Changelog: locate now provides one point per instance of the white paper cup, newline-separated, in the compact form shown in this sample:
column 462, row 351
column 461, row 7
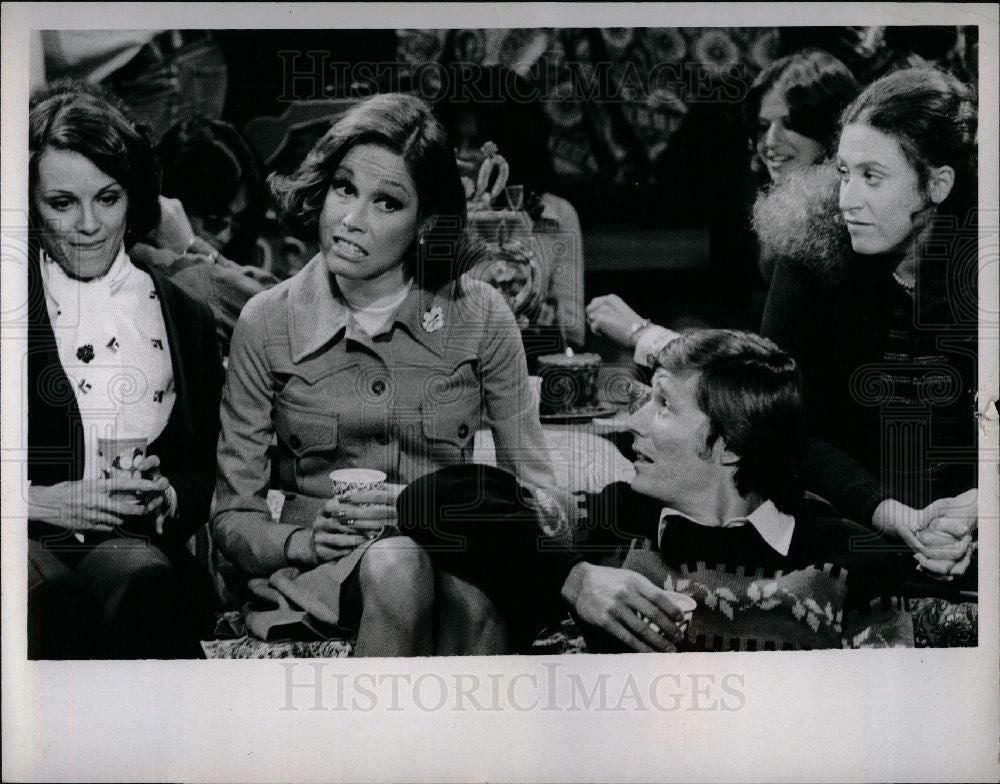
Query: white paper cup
column 347, row 479
column 686, row 605
column 119, row 459
column 120, row 456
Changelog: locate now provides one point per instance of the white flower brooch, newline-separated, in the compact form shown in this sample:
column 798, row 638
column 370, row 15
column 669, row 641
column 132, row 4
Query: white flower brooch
column 433, row 319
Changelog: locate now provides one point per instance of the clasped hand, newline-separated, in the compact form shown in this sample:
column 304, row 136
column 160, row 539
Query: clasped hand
column 102, row 504
column 351, row 519
column 940, row 534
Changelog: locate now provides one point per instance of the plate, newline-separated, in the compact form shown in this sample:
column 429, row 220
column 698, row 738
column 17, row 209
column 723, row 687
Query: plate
column 583, row 415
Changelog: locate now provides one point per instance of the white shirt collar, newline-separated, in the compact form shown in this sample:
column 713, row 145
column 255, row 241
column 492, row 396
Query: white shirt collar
column 775, row 527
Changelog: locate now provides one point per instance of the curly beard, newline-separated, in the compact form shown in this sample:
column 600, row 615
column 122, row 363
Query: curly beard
column 800, row 220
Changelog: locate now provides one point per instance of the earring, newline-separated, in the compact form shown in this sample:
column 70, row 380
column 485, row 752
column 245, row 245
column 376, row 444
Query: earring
column 421, row 240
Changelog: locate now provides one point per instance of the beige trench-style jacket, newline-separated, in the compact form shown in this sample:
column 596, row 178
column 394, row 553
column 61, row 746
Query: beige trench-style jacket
column 407, row 401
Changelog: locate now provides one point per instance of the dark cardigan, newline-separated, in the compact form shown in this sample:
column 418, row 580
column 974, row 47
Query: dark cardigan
column 186, row 447
column 840, row 333
column 889, row 380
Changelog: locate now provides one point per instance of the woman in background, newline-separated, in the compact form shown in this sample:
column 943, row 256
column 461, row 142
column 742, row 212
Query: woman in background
column 211, row 211
column 792, row 108
column 374, row 356
column 115, row 351
column 209, row 167
column 511, row 115
column 875, row 294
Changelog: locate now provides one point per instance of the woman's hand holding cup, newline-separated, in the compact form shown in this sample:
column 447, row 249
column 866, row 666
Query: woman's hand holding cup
column 90, row 504
column 155, row 499
column 344, row 523
column 362, row 506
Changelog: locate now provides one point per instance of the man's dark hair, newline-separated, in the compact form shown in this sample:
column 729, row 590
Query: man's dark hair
column 751, row 392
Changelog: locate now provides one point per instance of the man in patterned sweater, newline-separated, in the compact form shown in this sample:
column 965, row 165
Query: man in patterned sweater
column 716, row 488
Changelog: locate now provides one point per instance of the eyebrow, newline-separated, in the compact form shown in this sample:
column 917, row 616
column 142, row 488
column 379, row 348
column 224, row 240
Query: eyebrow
column 382, row 182
column 63, row 192
column 865, row 164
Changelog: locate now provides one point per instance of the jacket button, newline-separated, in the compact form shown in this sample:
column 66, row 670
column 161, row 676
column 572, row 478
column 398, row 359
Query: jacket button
column 463, row 430
column 294, row 441
column 378, row 386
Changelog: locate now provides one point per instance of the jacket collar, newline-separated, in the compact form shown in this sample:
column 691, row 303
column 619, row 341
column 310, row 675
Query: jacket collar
column 775, row 527
column 318, row 315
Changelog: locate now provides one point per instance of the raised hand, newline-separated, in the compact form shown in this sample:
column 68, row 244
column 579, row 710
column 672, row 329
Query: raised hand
column 174, row 230
column 610, row 315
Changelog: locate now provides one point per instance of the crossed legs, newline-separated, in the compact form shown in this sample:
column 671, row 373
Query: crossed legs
column 410, row 609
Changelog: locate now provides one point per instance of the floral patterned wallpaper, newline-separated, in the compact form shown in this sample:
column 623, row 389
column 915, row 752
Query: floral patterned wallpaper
column 617, row 97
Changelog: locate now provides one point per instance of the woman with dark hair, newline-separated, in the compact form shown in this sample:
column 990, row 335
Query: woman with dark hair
column 211, row 210
column 492, row 103
column 875, row 294
column 793, row 106
column 374, row 356
column 484, row 103
column 115, row 352
column 209, row 167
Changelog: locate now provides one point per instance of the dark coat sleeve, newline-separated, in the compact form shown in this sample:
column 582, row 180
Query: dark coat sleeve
column 187, row 445
column 799, row 317
column 223, row 285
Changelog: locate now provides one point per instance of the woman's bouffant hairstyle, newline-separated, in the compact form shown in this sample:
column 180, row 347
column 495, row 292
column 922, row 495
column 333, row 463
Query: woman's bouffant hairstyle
column 751, row 392
column 816, row 87
column 407, row 126
column 83, row 118
column 933, row 117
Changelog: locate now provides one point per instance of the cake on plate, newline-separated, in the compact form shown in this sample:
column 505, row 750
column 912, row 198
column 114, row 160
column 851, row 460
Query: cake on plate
column 569, row 383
